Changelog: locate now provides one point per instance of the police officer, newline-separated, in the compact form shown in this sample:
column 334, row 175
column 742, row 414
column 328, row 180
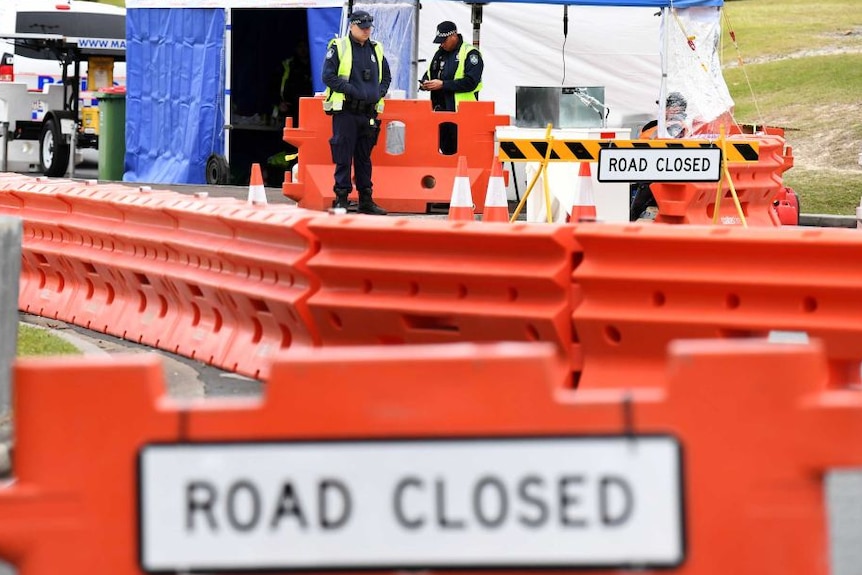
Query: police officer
column 455, row 75
column 357, row 77
column 294, row 81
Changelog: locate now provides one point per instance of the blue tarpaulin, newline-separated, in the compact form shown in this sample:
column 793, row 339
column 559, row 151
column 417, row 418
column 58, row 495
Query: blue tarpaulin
column 174, row 114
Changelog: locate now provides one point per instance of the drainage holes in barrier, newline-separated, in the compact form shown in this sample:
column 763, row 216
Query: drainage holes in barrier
column 91, row 289
column 412, row 288
column 809, row 304
column 613, row 334
column 142, row 279
column 335, row 320
column 462, row 291
column 109, row 294
column 163, row 306
column 196, row 315
column 532, row 333
column 512, row 294
column 195, row 290
column 90, row 268
column 43, row 279
column 429, row 182
column 259, row 305
column 732, row 301
column 658, row 299
column 366, row 286
column 41, row 258
column 286, row 338
column 430, row 323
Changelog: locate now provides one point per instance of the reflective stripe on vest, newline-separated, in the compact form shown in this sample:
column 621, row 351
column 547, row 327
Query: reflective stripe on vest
column 334, row 101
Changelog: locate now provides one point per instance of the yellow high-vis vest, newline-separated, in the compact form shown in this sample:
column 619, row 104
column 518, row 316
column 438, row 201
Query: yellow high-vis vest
column 334, row 101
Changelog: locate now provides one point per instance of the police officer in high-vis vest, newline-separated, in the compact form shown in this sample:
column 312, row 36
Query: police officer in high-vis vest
column 357, row 77
column 455, row 75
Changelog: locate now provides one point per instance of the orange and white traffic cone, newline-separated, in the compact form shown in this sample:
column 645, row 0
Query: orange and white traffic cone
column 256, row 191
column 584, row 204
column 496, row 203
column 461, row 204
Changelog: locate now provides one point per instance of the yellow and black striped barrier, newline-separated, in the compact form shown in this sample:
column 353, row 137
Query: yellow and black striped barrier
column 523, row 150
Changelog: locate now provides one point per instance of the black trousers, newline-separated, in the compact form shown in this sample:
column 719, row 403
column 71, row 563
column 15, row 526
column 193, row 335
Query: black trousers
column 353, row 137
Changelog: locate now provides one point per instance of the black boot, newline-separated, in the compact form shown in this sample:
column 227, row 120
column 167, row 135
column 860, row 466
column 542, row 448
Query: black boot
column 367, row 205
column 340, row 199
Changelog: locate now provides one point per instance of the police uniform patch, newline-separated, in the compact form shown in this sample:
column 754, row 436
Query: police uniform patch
column 373, row 59
column 329, row 53
column 474, row 59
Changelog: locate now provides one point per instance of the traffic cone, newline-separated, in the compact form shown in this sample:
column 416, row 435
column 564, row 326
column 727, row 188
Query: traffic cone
column 584, row 204
column 461, row 204
column 496, row 203
column 256, row 191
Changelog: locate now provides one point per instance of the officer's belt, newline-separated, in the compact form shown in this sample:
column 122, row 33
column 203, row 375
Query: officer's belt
column 358, row 107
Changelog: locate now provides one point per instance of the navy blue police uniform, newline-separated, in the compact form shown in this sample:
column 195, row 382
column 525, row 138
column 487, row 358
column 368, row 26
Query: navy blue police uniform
column 443, row 67
column 355, row 127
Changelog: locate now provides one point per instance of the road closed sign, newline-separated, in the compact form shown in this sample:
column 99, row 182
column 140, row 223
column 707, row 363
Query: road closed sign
column 659, row 165
column 538, row 502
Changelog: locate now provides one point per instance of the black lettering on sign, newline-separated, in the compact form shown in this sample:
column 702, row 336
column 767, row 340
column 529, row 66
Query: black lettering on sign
column 398, row 503
column 243, row 493
column 288, row 506
column 440, row 500
column 200, row 499
column 616, row 501
column 531, row 502
column 567, row 485
column 333, row 493
column 529, row 496
column 495, row 490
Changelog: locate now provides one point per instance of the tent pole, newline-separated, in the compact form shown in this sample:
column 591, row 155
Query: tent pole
column 662, row 94
column 226, row 51
column 476, row 19
column 414, row 56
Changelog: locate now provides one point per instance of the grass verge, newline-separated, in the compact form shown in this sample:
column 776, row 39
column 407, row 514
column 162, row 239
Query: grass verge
column 33, row 341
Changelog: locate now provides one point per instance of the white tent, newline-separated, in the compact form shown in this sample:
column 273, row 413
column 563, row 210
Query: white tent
column 617, row 45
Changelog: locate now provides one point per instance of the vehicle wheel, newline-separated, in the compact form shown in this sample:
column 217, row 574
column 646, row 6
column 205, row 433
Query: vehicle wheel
column 53, row 149
column 218, row 171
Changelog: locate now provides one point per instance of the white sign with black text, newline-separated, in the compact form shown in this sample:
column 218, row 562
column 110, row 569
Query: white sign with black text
column 659, row 165
column 583, row 501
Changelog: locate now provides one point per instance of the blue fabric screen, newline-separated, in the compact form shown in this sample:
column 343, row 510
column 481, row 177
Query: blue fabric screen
column 174, row 93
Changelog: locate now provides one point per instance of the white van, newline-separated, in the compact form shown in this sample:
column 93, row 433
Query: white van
column 53, row 55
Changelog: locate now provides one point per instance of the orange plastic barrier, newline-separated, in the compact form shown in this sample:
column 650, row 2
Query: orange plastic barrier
column 212, row 279
column 415, row 181
column 151, row 485
column 387, row 281
column 756, row 185
column 645, row 286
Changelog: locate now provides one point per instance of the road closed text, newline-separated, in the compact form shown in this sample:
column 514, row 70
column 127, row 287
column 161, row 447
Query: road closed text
column 411, row 504
column 422, row 504
column 659, row 165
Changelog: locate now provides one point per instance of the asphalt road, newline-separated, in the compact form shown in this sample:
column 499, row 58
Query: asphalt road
column 184, row 378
